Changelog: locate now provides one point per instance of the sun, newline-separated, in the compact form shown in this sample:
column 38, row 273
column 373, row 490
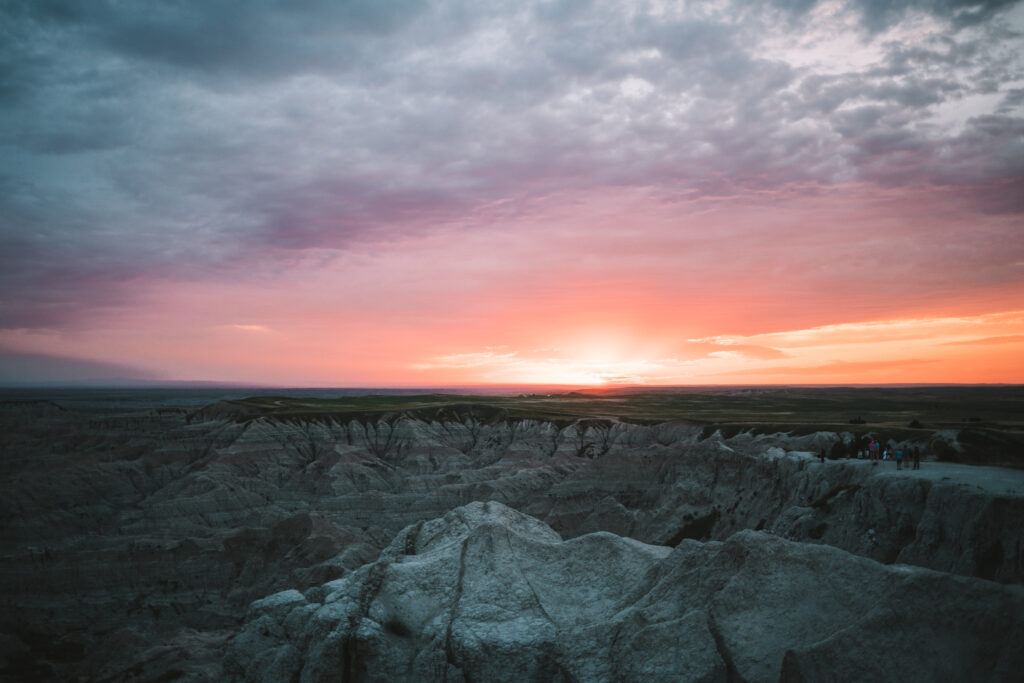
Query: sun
column 595, row 358
column 564, row 373
column 587, row 372
column 583, row 360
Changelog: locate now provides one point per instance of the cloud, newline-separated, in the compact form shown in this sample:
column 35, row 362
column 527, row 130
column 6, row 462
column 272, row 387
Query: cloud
column 985, row 341
column 895, row 330
column 250, row 328
column 836, row 368
column 18, row 368
column 215, row 140
column 251, row 38
column 489, row 358
column 733, row 347
column 877, row 15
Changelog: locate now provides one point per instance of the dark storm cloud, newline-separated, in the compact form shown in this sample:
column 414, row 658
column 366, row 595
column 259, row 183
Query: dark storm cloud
column 52, row 260
column 1012, row 101
column 200, row 139
column 880, row 14
column 338, row 214
column 37, row 368
column 250, row 36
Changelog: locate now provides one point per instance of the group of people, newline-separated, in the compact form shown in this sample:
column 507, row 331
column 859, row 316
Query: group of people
column 876, row 451
column 902, row 455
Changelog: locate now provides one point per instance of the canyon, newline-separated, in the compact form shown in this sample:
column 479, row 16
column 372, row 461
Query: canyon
column 204, row 541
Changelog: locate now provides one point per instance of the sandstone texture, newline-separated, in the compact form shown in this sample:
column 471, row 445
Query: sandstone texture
column 486, row 593
column 134, row 538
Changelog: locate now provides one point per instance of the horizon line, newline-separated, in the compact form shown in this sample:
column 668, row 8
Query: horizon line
column 212, row 384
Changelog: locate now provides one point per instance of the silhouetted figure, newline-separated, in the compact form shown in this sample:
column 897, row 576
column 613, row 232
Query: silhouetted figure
column 899, row 458
column 917, row 458
column 821, row 455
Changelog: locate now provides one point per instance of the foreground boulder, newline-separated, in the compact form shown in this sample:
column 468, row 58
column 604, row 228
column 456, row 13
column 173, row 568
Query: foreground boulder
column 486, row 593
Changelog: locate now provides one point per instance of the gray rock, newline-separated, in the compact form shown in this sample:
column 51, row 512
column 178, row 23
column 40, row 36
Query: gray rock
column 137, row 540
column 487, row 593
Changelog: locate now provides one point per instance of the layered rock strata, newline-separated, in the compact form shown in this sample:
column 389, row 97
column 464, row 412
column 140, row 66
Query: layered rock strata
column 130, row 540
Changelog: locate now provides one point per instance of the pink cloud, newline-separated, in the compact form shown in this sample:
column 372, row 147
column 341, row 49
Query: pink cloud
column 623, row 283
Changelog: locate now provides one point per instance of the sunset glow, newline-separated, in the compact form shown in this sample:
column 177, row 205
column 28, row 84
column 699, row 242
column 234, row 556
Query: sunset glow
column 635, row 194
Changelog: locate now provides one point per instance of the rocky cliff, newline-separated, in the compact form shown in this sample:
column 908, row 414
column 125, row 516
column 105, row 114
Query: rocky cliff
column 488, row 594
column 133, row 542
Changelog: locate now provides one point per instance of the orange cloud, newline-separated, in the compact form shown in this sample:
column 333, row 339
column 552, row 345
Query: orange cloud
column 1006, row 339
column 837, row 368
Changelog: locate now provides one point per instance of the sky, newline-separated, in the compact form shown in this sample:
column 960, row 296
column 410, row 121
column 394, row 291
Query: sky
column 417, row 193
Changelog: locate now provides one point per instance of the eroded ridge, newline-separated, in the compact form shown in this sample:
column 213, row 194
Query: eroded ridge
column 492, row 594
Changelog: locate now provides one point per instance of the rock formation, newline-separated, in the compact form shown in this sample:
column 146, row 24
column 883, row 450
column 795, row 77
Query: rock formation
column 488, row 594
column 133, row 539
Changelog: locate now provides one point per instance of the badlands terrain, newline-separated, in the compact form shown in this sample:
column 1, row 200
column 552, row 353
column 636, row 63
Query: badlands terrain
column 199, row 535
